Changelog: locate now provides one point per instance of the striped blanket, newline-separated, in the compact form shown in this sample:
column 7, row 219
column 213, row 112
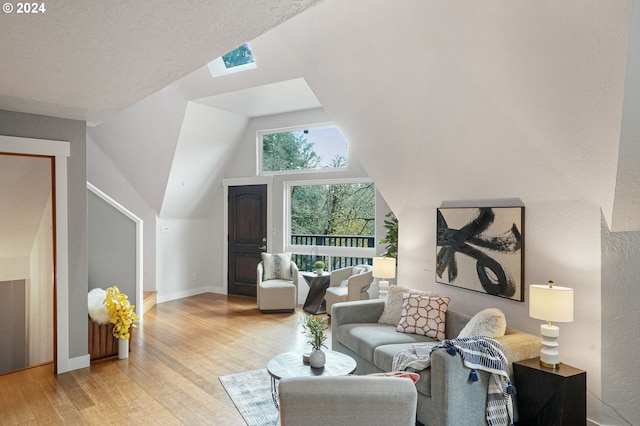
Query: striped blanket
column 478, row 353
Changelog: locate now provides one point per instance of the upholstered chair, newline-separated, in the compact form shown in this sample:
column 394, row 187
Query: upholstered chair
column 347, row 400
column 347, row 284
column 277, row 283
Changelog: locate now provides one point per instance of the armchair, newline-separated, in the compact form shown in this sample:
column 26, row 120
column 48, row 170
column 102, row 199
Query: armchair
column 277, row 292
column 347, row 400
column 347, row 284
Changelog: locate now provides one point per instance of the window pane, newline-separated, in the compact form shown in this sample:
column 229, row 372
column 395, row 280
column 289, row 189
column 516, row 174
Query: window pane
column 311, row 149
column 339, row 215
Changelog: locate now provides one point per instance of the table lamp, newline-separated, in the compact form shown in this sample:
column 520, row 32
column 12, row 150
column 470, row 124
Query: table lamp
column 384, row 268
column 552, row 304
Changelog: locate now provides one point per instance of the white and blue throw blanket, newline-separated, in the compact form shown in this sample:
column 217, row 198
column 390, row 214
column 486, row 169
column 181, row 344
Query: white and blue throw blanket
column 478, row 353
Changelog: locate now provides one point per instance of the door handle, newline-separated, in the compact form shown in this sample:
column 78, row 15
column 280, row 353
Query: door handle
column 263, row 248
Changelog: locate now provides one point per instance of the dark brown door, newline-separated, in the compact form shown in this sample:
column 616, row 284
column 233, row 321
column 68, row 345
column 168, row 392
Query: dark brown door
column 247, row 236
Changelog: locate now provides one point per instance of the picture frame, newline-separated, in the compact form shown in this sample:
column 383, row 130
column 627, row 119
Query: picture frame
column 481, row 249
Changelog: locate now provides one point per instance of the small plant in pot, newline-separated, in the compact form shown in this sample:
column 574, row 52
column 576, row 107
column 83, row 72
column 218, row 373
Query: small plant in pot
column 315, row 328
column 319, row 267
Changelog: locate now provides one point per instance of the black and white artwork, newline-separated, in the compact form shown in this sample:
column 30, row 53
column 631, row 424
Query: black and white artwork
column 481, row 249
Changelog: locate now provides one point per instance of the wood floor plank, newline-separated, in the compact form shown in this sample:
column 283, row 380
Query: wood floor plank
column 171, row 375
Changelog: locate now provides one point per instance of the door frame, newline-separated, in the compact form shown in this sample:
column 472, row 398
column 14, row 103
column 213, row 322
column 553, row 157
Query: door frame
column 59, row 151
column 226, row 183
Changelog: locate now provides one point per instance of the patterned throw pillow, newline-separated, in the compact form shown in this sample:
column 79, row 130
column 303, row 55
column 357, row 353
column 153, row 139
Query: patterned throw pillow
column 393, row 303
column 423, row 315
column 276, row 266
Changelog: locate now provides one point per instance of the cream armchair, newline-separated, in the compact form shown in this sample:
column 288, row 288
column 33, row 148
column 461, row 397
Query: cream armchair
column 347, row 284
column 277, row 295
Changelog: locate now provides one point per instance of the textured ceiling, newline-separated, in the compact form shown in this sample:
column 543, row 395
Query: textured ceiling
column 88, row 60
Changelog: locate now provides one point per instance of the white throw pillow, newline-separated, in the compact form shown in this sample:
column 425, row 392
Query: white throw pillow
column 276, row 266
column 393, row 303
column 359, row 270
column 97, row 311
column 424, row 315
column 489, row 323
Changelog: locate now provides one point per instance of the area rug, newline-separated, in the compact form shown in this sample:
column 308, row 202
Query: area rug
column 251, row 394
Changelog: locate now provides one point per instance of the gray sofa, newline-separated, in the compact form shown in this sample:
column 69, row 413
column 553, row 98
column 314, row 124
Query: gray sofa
column 445, row 395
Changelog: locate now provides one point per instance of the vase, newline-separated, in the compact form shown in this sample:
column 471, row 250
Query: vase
column 317, row 358
column 319, row 271
column 123, row 348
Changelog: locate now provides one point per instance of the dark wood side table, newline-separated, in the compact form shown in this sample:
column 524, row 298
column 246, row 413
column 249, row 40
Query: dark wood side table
column 318, row 284
column 548, row 396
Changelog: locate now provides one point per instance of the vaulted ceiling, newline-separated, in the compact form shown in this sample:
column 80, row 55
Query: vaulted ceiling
column 531, row 91
column 90, row 60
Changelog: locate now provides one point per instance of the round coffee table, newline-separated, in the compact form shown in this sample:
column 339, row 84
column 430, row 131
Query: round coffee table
column 289, row 364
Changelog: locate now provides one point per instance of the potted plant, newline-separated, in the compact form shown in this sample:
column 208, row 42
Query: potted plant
column 315, row 328
column 122, row 316
column 319, row 267
column 391, row 239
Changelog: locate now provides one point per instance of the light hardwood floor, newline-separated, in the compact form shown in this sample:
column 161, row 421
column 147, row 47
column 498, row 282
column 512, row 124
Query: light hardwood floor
column 171, row 376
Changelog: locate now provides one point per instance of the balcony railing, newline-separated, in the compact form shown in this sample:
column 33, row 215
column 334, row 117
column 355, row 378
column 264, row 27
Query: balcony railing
column 305, row 261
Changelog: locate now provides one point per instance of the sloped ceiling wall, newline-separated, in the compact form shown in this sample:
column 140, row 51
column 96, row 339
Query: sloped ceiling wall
column 206, row 139
column 142, row 140
column 473, row 95
column 525, row 96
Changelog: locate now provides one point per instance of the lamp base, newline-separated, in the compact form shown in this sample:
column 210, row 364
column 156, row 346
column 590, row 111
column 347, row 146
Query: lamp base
column 383, row 287
column 549, row 355
column 551, row 366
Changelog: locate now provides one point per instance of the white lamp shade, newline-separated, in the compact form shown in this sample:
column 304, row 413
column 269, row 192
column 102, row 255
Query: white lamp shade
column 551, row 303
column 384, row 267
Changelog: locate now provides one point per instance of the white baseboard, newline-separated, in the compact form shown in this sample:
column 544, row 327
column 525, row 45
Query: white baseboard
column 77, row 363
column 161, row 298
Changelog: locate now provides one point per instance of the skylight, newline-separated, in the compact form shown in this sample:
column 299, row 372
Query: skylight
column 239, row 59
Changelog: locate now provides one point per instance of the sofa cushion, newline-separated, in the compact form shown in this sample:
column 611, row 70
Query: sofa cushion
column 364, row 338
column 488, row 322
column 340, row 292
column 277, row 284
column 393, row 303
column 423, row 315
column 276, row 266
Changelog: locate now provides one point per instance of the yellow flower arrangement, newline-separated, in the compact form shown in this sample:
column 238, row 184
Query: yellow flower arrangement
column 121, row 312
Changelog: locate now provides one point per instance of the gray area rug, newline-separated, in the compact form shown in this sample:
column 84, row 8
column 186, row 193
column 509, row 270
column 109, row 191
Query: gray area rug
column 251, row 394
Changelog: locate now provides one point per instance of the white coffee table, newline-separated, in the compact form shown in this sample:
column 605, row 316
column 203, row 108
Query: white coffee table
column 289, row 364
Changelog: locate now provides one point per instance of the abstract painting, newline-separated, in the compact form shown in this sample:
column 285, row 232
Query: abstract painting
column 482, row 249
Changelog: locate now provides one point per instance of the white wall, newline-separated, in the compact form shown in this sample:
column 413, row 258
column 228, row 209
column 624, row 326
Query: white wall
column 106, row 176
column 40, row 292
column 184, row 261
column 14, row 268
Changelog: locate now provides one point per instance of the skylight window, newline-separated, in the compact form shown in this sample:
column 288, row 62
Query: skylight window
column 239, row 59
